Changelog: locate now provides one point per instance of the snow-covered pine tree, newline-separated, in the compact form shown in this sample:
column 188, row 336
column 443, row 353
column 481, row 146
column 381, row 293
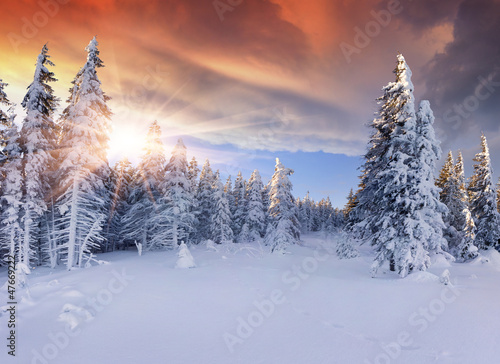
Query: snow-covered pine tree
column 228, row 190
column 400, row 226
column 204, row 200
column 466, row 249
column 37, row 142
column 83, row 170
column 283, row 228
column 11, row 182
column 175, row 219
column 220, row 227
column 428, row 152
column 351, row 204
column 305, row 214
column 395, row 94
column 122, row 175
column 238, row 209
column 483, row 204
column 192, row 174
column 445, row 175
column 145, row 192
column 255, row 218
column 6, row 119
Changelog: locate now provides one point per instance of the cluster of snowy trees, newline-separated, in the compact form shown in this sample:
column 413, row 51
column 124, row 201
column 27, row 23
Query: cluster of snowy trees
column 61, row 201
column 319, row 216
column 400, row 208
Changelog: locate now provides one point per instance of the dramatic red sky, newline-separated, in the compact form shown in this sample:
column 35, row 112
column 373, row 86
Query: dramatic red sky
column 264, row 75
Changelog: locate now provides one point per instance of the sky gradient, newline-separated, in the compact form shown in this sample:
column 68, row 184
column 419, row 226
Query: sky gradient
column 246, row 81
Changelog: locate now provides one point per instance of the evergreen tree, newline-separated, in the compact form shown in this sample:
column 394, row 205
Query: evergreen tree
column 11, row 182
column 84, row 170
column 204, row 200
column 305, row 214
column 283, row 228
column 175, row 219
column 350, row 205
column 406, row 223
column 428, row 152
column 238, row 210
column 483, row 204
column 37, row 142
column 121, row 181
column 192, row 174
column 220, row 227
column 445, row 175
column 255, row 218
column 146, row 192
column 396, row 95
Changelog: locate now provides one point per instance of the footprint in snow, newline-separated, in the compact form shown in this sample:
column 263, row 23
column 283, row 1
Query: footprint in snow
column 53, row 283
column 74, row 315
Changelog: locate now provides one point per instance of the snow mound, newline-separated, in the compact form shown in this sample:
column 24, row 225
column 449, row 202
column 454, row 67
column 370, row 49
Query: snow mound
column 210, row 245
column 422, row 277
column 185, row 260
column 74, row 315
column 492, row 257
column 440, row 261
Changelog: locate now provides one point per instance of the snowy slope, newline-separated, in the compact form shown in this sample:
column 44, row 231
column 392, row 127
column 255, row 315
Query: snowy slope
column 241, row 305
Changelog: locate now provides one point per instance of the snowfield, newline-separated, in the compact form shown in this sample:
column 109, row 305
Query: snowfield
column 243, row 305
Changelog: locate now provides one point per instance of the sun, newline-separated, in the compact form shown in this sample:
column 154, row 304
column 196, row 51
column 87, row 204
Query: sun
column 125, row 142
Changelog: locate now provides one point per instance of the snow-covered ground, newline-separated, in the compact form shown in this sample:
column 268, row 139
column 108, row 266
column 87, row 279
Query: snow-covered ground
column 242, row 305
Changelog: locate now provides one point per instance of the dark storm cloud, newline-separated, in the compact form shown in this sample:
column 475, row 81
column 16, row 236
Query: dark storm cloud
column 463, row 81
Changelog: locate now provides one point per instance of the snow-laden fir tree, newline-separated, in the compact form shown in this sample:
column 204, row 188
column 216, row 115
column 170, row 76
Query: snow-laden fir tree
column 175, row 219
column 255, row 219
column 238, row 207
column 11, row 183
column 454, row 196
column 395, row 94
column 305, row 213
column 83, row 170
column 406, row 223
column 428, row 152
column 122, row 175
column 38, row 142
column 466, row 248
column 192, row 174
column 204, row 201
column 283, row 228
column 221, row 221
column 6, row 119
column 350, row 205
column 483, row 204
column 228, row 190
column 145, row 193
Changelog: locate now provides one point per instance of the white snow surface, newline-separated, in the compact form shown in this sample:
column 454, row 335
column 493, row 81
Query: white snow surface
column 304, row 307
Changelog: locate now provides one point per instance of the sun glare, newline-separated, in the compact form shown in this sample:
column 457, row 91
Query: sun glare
column 125, row 142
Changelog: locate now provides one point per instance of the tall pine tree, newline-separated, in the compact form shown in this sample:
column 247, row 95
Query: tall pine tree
column 483, row 204
column 283, row 228
column 38, row 142
column 83, row 170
